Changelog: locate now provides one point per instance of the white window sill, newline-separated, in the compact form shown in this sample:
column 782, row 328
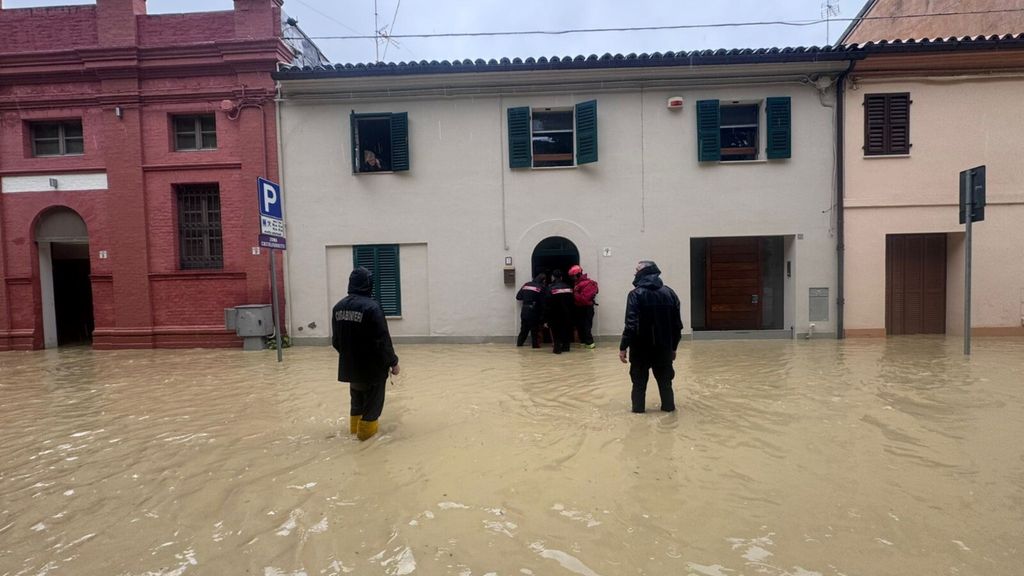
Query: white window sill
column 553, row 167
column 374, row 172
column 392, row 317
column 876, row 156
column 758, row 161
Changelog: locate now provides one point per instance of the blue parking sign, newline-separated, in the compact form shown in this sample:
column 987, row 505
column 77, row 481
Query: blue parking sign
column 270, row 198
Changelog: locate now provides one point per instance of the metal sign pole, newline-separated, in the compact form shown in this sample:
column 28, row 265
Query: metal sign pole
column 967, row 264
column 273, row 291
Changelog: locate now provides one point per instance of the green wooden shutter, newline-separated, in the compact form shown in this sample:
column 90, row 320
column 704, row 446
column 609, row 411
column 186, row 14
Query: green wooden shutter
column 354, row 132
column 779, row 117
column 388, row 280
column 520, row 153
column 382, row 260
column 709, row 131
column 399, row 141
column 586, row 132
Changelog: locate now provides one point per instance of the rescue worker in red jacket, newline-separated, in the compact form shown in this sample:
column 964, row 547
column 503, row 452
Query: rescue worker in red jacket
column 559, row 312
column 584, row 291
column 532, row 315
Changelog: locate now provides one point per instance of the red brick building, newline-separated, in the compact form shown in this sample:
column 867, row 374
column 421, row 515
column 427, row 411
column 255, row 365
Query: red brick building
column 129, row 152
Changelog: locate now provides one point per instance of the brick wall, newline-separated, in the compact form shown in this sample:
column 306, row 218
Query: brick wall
column 141, row 297
column 47, row 29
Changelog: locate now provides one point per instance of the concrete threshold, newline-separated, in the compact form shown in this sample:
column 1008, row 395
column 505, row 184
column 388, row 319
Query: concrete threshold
column 742, row 334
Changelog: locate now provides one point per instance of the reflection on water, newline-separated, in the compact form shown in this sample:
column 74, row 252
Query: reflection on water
column 786, row 458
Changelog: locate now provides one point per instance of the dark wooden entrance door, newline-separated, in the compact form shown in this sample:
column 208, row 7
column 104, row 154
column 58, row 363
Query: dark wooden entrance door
column 734, row 284
column 915, row 284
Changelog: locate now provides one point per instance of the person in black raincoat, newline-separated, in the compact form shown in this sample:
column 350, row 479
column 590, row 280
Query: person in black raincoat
column 532, row 315
column 651, row 335
column 365, row 353
column 559, row 312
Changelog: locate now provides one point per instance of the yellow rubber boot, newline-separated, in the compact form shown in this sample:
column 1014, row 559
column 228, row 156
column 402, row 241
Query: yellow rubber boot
column 353, row 424
column 366, row 429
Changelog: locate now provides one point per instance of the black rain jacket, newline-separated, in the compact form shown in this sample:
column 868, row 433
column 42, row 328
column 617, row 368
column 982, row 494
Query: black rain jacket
column 532, row 295
column 654, row 325
column 360, row 333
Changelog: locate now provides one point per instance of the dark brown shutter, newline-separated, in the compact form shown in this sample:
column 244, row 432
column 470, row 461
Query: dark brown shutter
column 886, row 124
column 899, row 123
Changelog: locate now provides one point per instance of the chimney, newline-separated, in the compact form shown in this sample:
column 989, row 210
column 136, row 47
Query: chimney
column 257, row 19
column 117, row 23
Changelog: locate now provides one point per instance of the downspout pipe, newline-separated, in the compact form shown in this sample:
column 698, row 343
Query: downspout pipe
column 840, row 200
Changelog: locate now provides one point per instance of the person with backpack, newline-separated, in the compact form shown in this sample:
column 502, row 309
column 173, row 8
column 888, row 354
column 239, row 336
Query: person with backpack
column 584, row 292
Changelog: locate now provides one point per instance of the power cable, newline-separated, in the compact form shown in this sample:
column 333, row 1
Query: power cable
column 794, row 23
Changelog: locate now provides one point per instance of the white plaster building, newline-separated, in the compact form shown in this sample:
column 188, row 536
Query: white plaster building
column 523, row 166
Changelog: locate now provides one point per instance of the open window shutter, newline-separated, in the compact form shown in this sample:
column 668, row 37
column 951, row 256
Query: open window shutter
column 898, row 121
column 520, row 154
column 363, row 256
column 388, row 280
column 709, row 131
column 354, row 131
column 400, row 141
column 586, row 132
column 779, row 118
column 874, row 124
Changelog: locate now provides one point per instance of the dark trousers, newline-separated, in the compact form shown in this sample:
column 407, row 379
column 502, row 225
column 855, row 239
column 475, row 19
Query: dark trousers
column 367, row 399
column 531, row 325
column 663, row 374
column 561, row 335
column 585, row 324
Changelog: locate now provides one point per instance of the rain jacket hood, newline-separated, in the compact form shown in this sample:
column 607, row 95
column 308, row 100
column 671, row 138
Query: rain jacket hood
column 360, row 281
column 649, row 277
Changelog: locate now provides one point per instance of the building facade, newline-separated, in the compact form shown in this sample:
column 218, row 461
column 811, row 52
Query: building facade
column 457, row 182
column 130, row 148
column 918, row 113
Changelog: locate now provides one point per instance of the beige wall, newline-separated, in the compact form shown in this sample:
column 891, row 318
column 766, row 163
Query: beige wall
column 645, row 198
column 955, row 124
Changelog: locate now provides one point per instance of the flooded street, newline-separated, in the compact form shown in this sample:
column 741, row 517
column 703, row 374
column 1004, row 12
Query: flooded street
column 871, row 458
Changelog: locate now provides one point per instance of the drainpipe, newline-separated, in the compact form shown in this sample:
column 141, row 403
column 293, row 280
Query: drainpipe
column 840, row 194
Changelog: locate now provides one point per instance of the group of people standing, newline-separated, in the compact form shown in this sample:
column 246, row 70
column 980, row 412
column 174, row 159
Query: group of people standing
column 652, row 331
column 564, row 307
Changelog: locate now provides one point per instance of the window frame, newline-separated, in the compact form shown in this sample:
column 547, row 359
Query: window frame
column 760, row 147
column 572, row 131
column 886, row 126
column 61, row 138
column 207, row 231
column 378, row 279
column 398, row 160
column 197, row 131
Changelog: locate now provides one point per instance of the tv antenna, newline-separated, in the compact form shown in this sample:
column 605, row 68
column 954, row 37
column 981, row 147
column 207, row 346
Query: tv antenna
column 829, row 10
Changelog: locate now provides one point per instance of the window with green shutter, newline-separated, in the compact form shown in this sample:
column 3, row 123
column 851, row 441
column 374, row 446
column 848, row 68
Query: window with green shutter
column 380, row 142
column 383, row 261
column 731, row 131
column 552, row 137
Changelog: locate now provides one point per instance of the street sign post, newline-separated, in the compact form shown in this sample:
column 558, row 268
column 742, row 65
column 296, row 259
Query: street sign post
column 272, row 237
column 972, row 209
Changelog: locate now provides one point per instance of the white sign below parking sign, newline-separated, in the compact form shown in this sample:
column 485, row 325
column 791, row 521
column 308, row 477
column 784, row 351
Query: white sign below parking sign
column 271, row 215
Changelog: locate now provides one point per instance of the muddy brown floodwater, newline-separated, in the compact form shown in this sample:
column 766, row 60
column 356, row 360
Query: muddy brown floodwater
column 862, row 458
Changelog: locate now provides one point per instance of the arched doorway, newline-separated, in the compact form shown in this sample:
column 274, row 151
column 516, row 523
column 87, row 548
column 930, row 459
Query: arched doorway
column 66, row 290
column 554, row 253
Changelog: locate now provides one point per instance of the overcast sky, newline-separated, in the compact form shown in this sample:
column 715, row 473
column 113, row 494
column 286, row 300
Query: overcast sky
column 356, row 17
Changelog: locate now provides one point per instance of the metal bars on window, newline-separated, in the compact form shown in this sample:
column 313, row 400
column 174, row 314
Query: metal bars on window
column 199, row 229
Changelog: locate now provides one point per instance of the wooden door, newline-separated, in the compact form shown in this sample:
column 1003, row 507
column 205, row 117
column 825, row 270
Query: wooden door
column 915, row 284
column 734, row 284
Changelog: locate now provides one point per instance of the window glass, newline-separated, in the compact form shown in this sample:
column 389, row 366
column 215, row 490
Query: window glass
column 374, row 144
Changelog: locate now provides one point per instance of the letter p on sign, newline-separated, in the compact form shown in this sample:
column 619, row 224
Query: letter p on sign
column 270, row 198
